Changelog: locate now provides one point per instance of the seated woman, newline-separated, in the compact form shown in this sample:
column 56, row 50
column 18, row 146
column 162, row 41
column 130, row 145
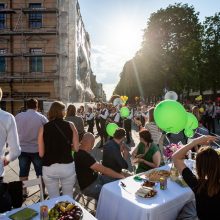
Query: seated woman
column 206, row 185
column 146, row 154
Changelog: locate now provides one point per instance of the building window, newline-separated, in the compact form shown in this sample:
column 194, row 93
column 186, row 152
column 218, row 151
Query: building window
column 36, row 62
column 2, row 61
column 35, row 18
column 2, row 17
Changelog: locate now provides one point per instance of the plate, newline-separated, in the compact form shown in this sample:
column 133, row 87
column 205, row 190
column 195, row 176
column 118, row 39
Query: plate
column 146, row 192
column 65, row 210
column 155, row 175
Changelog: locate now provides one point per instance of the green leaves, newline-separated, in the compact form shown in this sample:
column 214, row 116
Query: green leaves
column 176, row 50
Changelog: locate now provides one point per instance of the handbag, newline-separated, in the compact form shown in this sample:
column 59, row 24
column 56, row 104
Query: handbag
column 5, row 198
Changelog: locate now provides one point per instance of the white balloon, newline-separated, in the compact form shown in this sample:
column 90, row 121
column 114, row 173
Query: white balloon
column 171, row 95
column 117, row 102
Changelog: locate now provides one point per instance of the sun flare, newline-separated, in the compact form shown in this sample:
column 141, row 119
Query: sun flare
column 125, row 38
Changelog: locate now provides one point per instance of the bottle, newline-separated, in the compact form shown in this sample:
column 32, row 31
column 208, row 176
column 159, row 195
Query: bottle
column 44, row 212
column 163, row 183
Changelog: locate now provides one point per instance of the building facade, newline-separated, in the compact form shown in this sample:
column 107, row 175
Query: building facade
column 44, row 53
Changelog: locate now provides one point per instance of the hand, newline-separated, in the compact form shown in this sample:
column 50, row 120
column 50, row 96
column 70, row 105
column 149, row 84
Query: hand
column 138, row 160
column 205, row 139
column 5, row 162
column 139, row 155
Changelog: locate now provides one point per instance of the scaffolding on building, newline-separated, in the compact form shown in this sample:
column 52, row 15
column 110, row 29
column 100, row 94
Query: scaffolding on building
column 21, row 11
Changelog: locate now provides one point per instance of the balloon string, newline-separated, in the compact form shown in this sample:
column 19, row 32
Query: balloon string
column 167, row 139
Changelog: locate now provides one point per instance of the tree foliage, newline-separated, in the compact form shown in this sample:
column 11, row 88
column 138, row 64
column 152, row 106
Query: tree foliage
column 178, row 53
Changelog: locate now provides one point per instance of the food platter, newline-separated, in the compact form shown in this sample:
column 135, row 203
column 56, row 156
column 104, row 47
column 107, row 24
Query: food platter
column 65, row 210
column 148, row 183
column 155, row 175
column 146, row 192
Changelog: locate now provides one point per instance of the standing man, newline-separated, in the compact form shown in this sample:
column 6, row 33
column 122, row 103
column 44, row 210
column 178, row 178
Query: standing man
column 97, row 119
column 90, row 119
column 28, row 124
column 9, row 136
column 103, row 117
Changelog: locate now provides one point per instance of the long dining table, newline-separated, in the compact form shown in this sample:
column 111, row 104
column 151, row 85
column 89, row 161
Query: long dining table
column 119, row 202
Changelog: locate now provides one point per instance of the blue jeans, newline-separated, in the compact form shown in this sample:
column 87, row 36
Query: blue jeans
column 25, row 160
column 94, row 189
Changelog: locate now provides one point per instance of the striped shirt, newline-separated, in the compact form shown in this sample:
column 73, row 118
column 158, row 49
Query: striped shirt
column 155, row 131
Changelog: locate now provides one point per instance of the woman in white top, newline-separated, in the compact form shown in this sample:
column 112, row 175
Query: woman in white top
column 152, row 127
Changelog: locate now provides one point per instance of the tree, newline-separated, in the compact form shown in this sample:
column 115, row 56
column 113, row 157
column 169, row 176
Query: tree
column 211, row 46
column 170, row 52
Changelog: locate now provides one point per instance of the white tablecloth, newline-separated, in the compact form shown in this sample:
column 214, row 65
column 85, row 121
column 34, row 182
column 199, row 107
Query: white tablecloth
column 116, row 203
column 50, row 203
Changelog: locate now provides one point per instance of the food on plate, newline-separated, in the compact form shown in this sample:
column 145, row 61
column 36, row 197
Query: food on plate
column 146, row 192
column 155, row 175
column 148, row 183
column 65, row 211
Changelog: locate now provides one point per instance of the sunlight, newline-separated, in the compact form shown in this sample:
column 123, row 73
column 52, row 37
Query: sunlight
column 125, row 38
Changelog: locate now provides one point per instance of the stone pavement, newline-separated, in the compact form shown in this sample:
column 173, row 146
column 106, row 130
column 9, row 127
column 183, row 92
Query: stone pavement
column 12, row 174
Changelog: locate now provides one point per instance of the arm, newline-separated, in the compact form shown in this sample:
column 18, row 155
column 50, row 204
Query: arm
column 117, row 118
column 75, row 141
column 119, row 159
column 156, row 160
column 41, row 147
column 134, row 153
column 106, row 171
column 13, row 142
column 179, row 156
column 105, row 115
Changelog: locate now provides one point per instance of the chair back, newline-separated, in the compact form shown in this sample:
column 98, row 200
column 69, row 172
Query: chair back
column 34, row 182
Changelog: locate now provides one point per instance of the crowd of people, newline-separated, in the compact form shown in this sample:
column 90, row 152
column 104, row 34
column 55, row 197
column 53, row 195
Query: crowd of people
column 59, row 147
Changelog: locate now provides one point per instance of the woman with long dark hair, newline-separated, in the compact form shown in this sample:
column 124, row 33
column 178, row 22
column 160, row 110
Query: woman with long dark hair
column 146, row 154
column 206, row 185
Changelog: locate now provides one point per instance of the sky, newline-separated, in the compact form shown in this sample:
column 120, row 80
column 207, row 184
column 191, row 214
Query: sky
column 116, row 29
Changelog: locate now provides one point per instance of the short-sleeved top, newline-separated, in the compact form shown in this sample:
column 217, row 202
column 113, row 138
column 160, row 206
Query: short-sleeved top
column 148, row 156
column 207, row 207
column 85, row 175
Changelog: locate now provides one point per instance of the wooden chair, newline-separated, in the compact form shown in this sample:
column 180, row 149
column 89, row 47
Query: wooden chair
column 34, row 182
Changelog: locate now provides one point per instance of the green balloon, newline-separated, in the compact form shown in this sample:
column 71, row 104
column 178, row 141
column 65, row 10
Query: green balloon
column 192, row 122
column 111, row 128
column 189, row 133
column 124, row 112
column 170, row 116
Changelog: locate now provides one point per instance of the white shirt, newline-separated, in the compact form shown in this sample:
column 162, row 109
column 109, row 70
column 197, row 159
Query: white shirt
column 116, row 117
column 89, row 116
column 9, row 135
column 104, row 113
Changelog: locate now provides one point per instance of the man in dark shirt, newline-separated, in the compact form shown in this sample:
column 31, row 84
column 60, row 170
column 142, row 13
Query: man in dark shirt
column 115, row 152
column 87, row 169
